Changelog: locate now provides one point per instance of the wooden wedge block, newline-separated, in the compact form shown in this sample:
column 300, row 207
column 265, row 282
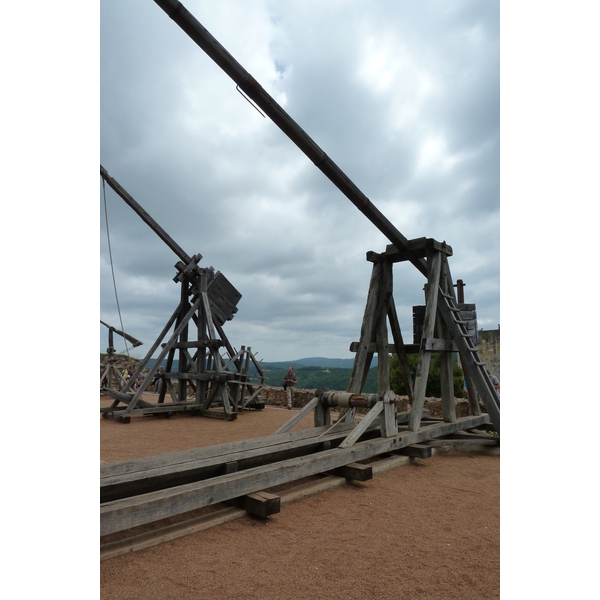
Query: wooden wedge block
column 260, row 504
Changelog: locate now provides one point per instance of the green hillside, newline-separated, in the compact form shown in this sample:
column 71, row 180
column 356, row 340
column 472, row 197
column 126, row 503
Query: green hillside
column 318, row 377
column 311, row 377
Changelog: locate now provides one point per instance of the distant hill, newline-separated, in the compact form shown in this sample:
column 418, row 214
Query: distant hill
column 319, row 361
column 313, row 372
column 313, row 361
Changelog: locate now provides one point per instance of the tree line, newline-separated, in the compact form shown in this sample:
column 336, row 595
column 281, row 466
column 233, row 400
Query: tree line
column 339, row 378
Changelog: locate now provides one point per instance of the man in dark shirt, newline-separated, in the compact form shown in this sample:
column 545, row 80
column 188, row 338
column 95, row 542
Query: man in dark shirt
column 289, row 381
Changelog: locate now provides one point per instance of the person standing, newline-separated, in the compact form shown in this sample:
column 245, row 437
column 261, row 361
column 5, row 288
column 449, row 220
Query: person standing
column 289, row 382
column 494, row 381
column 496, row 384
column 158, row 377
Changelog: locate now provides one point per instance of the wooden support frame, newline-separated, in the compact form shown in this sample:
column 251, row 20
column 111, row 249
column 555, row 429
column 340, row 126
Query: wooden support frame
column 234, row 483
column 125, row 513
column 207, row 301
column 443, row 331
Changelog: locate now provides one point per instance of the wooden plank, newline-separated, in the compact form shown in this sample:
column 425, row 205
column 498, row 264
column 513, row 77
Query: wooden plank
column 415, row 249
column 416, row 451
column 460, row 443
column 220, row 451
column 363, row 357
column 290, row 495
column 389, row 420
column 399, row 348
column 308, row 408
column 260, row 504
column 130, row 512
column 480, row 379
column 381, row 332
column 432, row 345
column 178, row 329
column 438, row 345
column 362, row 425
column 434, row 264
column 127, row 484
column 354, row 472
column 446, row 367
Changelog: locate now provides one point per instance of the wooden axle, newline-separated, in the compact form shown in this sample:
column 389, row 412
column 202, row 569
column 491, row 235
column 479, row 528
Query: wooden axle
column 348, row 399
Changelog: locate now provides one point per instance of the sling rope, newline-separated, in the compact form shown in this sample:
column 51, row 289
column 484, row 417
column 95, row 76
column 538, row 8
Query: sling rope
column 112, row 266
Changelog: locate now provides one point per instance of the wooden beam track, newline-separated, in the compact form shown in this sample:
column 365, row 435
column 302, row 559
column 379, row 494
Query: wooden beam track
column 125, row 513
column 301, row 491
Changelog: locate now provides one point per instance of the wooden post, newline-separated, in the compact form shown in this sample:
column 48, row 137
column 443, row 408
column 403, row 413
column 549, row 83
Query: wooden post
column 446, row 367
column 389, row 423
column 183, row 338
column 434, row 260
column 400, row 350
column 362, row 360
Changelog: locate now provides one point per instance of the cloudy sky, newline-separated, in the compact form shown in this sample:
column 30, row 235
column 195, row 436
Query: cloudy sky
column 403, row 96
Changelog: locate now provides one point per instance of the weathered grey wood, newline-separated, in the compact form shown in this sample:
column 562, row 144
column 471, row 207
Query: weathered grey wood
column 233, row 466
column 414, row 250
column 434, row 264
column 183, row 337
column 467, row 435
column 125, row 398
column 260, row 504
column 389, row 422
column 383, row 361
column 221, row 451
column 466, row 442
column 471, row 363
column 154, row 347
column 119, row 484
column 399, row 349
column 446, row 367
column 362, row 425
column 305, row 410
column 416, row 451
column 164, row 236
column 354, row 472
column 438, row 345
column 474, row 408
column 381, row 333
column 130, row 512
column 322, row 415
column 349, row 399
column 363, row 357
column 163, row 353
column 431, row 345
column 447, row 387
column 208, row 315
column 230, row 453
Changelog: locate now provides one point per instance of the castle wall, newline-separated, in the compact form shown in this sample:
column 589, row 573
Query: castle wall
column 489, row 350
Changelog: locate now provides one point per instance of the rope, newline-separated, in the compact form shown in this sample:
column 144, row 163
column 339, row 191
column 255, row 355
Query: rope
column 112, row 266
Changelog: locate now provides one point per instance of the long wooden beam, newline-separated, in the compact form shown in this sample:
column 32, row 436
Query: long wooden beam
column 169, row 475
column 262, row 99
column 130, row 512
column 162, row 234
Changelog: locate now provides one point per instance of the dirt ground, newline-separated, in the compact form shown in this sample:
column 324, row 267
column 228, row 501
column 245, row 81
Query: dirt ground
column 430, row 529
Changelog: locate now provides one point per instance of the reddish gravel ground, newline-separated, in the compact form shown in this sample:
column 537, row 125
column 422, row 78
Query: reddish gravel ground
column 427, row 530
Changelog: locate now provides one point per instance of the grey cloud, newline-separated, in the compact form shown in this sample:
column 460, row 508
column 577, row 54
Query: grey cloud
column 227, row 183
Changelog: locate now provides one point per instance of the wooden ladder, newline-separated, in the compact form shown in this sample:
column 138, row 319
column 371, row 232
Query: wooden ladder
column 472, row 364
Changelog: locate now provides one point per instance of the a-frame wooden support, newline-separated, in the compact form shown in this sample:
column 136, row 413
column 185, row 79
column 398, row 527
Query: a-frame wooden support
column 443, row 331
column 215, row 381
column 207, row 301
column 111, row 378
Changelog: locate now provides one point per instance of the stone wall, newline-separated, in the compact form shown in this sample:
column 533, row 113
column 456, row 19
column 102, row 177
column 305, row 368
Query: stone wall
column 489, row 350
column 275, row 396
